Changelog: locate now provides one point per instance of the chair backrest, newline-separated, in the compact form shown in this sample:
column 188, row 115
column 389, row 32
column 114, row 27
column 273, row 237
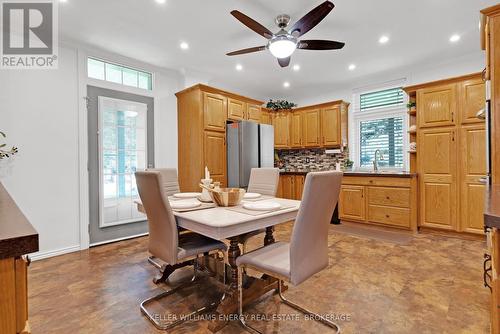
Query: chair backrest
column 309, row 242
column 170, row 180
column 264, row 181
column 163, row 239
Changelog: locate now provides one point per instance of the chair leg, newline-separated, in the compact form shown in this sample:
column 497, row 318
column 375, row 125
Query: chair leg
column 241, row 316
column 167, row 270
column 154, row 318
column 315, row 316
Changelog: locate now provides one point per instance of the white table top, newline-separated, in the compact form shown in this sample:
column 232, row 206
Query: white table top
column 220, row 223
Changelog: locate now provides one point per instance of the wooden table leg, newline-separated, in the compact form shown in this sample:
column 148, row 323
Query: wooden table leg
column 233, row 252
column 269, row 238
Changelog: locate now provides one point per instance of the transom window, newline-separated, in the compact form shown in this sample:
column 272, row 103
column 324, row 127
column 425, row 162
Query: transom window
column 101, row 70
column 381, row 99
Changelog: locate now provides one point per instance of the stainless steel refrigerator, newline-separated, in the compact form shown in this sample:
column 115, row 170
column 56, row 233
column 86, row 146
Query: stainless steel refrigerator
column 249, row 145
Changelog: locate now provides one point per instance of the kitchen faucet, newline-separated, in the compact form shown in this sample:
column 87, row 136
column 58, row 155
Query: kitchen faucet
column 375, row 161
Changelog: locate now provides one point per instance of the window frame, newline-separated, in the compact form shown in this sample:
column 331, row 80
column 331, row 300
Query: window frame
column 357, row 116
column 122, row 66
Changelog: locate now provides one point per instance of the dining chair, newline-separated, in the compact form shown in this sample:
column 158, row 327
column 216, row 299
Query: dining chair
column 307, row 252
column 166, row 244
column 265, row 182
column 170, row 180
column 170, row 187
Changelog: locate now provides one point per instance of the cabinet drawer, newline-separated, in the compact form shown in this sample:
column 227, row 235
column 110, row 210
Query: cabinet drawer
column 389, row 215
column 398, row 197
column 385, row 181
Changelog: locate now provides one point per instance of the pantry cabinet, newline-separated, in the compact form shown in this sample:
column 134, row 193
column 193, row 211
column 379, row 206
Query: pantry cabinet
column 437, row 106
column 472, row 100
column 202, row 115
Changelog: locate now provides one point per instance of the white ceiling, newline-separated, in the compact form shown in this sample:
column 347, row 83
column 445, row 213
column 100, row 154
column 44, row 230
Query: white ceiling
column 419, row 33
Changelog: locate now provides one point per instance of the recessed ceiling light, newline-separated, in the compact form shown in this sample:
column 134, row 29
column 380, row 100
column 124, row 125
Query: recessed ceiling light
column 239, row 67
column 184, row 46
column 455, row 38
column 286, row 84
column 161, row 1
column 296, row 67
column 383, row 39
column 352, row 67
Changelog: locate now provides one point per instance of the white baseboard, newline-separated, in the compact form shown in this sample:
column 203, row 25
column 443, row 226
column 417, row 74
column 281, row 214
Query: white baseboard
column 118, row 239
column 43, row 255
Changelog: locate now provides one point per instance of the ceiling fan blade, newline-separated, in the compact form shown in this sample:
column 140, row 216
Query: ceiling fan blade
column 249, row 50
column 252, row 24
column 311, row 19
column 319, row 44
column 284, row 62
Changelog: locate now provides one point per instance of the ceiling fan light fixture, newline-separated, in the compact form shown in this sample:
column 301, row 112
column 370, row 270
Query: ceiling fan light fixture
column 282, row 47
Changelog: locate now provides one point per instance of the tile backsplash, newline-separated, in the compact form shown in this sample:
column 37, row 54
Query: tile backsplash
column 307, row 160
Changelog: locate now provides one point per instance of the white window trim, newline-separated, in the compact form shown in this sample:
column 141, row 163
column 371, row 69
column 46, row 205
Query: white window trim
column 357, row 116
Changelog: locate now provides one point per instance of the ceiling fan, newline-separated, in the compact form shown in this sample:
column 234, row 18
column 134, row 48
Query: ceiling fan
column 284, row 43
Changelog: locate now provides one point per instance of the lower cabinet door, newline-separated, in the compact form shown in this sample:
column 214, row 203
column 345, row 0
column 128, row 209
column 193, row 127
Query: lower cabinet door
column 21, row 295
column 287, row 186
column 352, row 203
column 299, row 186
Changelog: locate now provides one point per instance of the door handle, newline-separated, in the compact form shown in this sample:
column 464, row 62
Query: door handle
column 483, row 180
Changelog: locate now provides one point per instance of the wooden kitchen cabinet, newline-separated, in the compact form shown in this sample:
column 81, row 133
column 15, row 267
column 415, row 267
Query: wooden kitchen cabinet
column 389, row 201
column 296, row 127
column 472, row 100
column 331, row 127
column 299, row 186
column 281, row 123
column 215, row 111
column 202, row 114
column 235, row 109
column 265, row 117
column 437, row 160
column 311, row 128
column 215, row 156
column 472, row 178
column 287, row 186
column 352, row 203
column 437, row 106
column 253, row 113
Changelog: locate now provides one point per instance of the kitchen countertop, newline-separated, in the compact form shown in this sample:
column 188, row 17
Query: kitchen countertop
column 492, row 206
column 360, row 173
column 17, row 236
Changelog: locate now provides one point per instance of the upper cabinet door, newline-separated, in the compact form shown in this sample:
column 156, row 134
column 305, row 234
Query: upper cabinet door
column 330, row 127
column 265, row 117
column 281, row 122
column 472, row 100
column 296, row 130
column 253, row 113
column 235, row 109
column 215, row 111
column 311, row 129
column 437, row 106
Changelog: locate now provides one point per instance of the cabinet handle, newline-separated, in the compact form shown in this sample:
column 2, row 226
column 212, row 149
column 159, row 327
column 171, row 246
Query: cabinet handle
column 387, row 197
column 483, row 180
column 453, row 136
column 386, row 216
column 452, row 117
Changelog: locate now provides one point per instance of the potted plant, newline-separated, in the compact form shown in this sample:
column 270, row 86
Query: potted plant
column 6, row 156
column 348, row 163
column 280, row 105
column 412, row 105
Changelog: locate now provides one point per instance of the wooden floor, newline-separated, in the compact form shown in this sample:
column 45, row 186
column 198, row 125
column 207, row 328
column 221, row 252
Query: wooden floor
column 431, row 285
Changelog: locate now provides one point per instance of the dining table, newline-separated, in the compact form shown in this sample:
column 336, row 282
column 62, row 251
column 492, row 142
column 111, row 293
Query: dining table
column 233, row 224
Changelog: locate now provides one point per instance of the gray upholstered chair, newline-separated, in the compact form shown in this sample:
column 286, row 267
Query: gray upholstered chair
column 170, row 187
column 164, row 241
column 307, row 252
column 265, row 182
column 170, row 180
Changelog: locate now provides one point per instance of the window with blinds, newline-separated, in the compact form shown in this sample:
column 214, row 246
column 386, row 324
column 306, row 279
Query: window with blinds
column 383, row 98
column 384, row 134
